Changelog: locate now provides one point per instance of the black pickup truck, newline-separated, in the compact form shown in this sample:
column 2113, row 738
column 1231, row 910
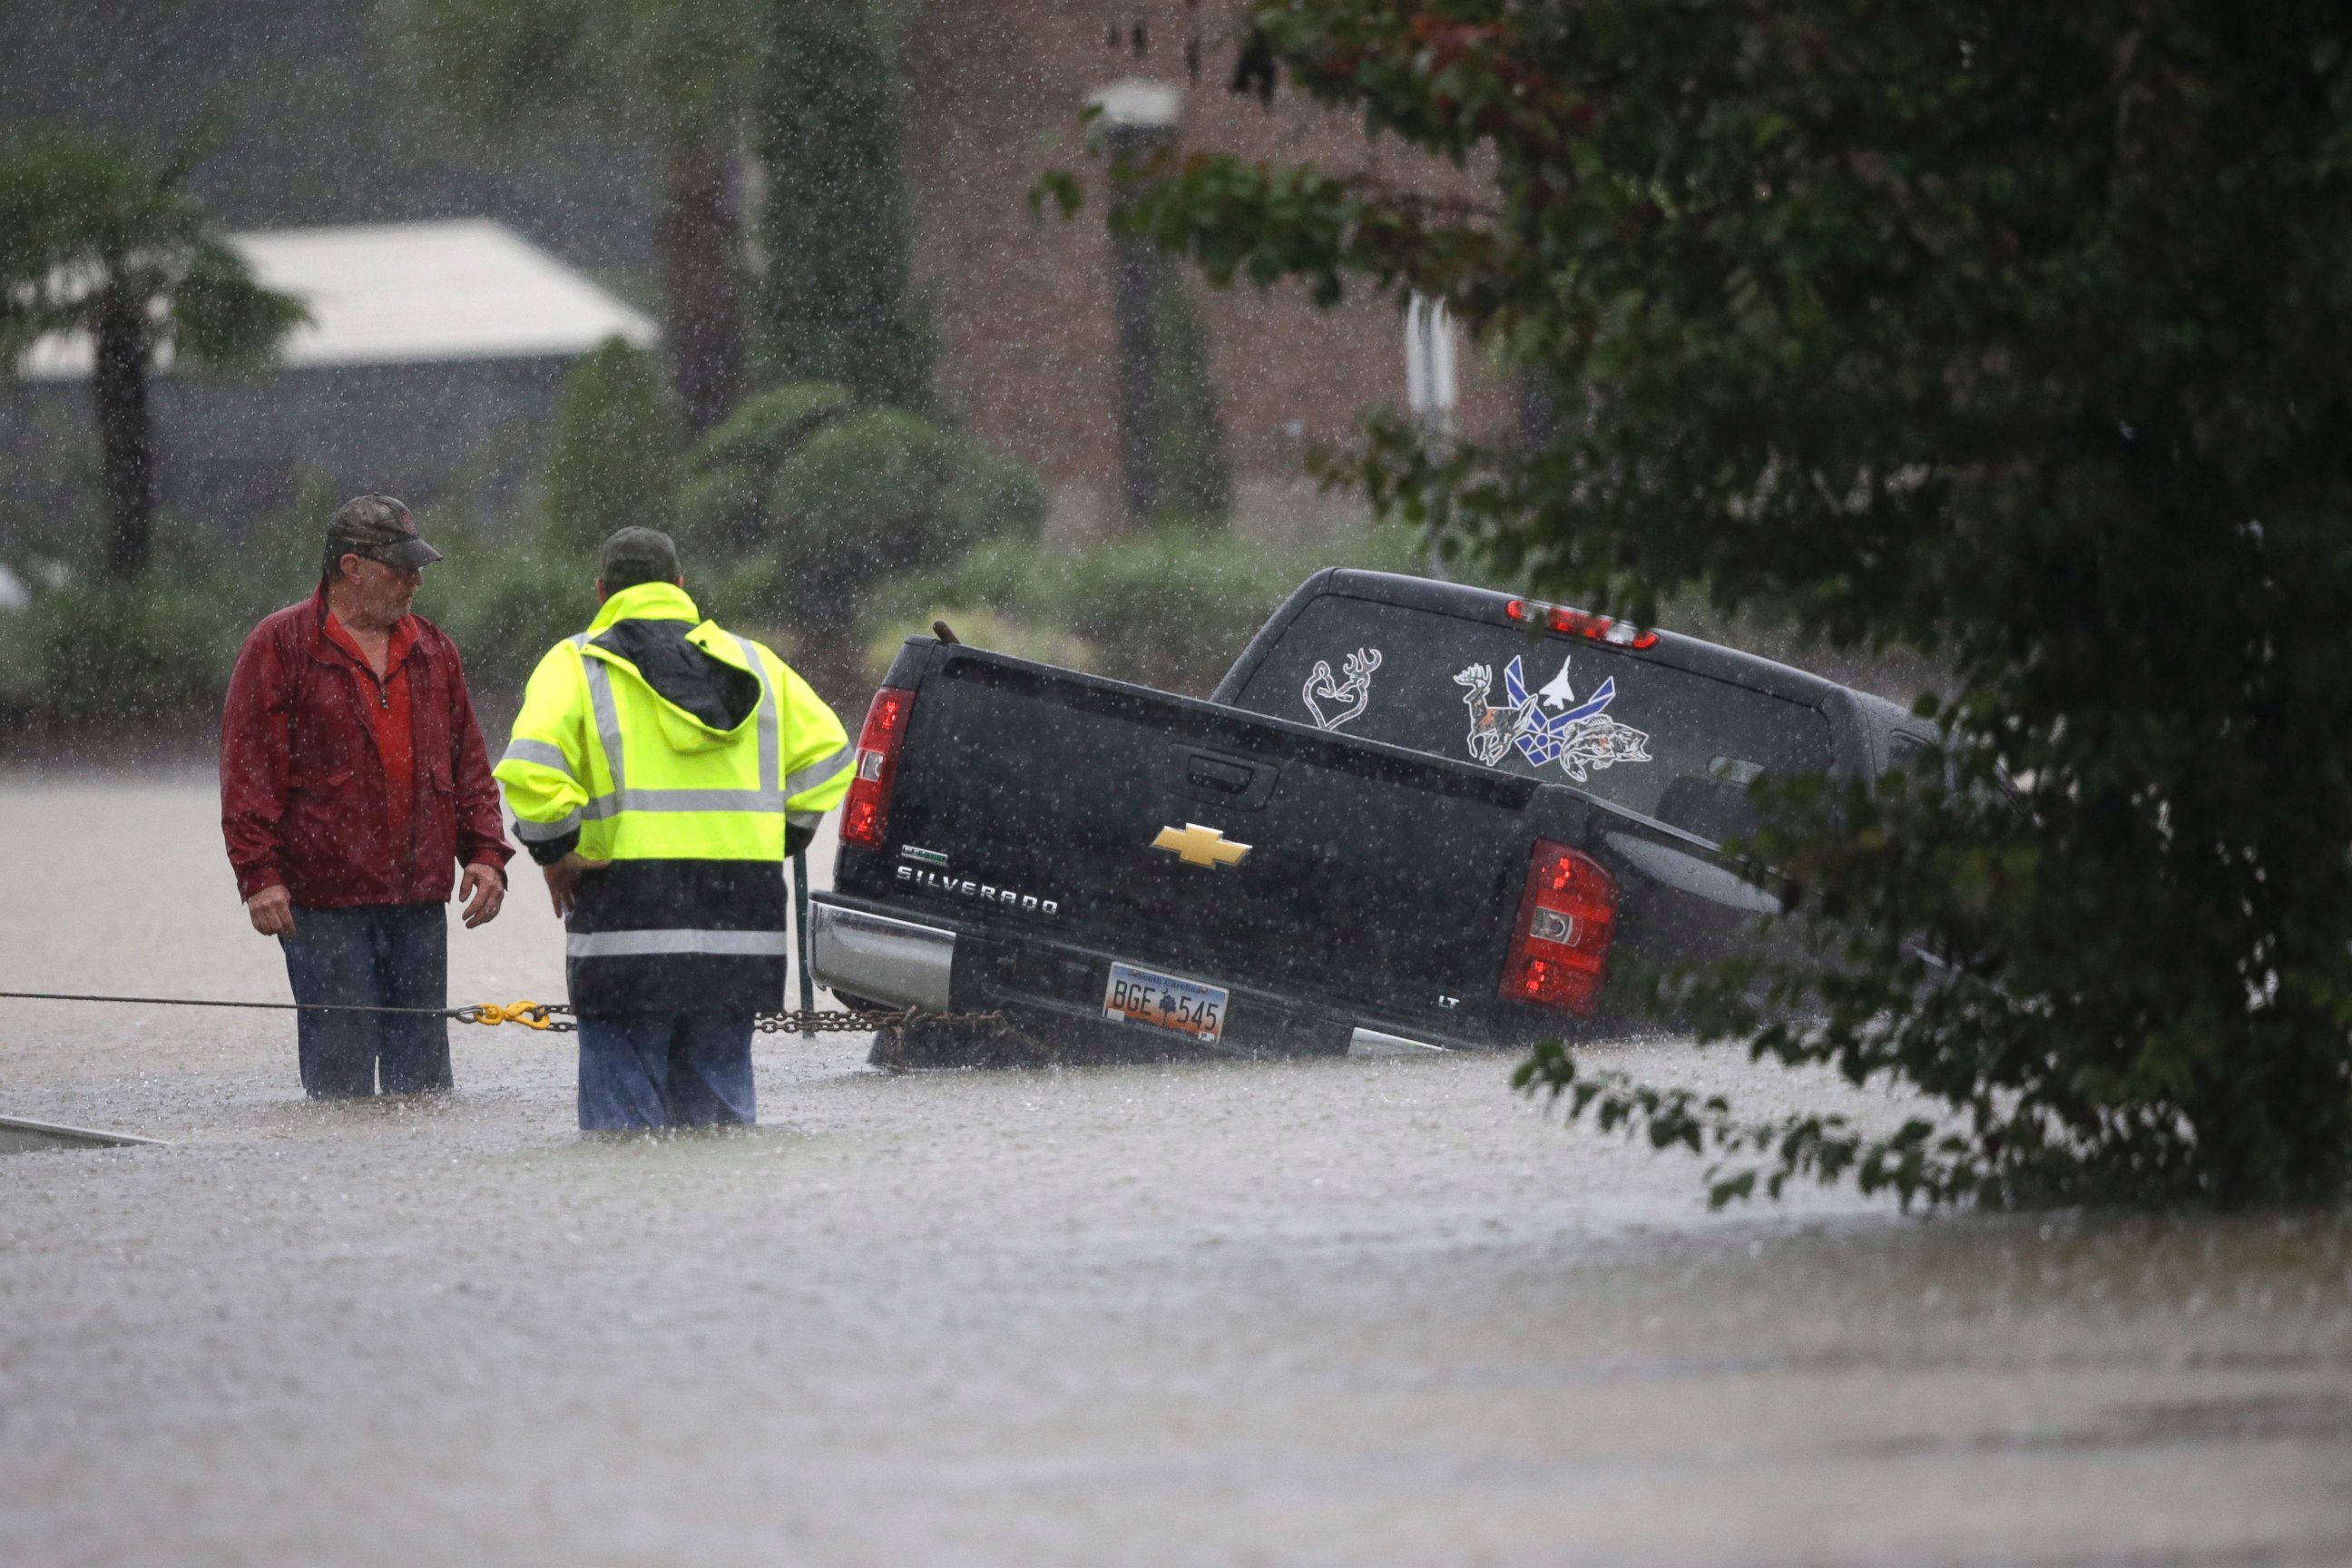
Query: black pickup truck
column 1413, row 815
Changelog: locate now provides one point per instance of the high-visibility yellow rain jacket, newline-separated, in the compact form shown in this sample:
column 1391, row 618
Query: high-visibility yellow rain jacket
column 695, row 761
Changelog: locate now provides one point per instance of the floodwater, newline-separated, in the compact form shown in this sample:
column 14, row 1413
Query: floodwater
column 1329, row 1312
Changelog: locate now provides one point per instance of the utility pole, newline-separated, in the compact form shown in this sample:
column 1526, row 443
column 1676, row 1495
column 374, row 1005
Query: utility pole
column 1138, row 118
column 1430, row 388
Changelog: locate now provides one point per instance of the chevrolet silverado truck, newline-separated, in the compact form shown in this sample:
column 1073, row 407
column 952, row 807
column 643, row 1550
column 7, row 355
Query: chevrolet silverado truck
column 1413, row 815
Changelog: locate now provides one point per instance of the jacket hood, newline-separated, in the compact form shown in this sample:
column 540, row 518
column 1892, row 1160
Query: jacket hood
column 646, row 602
column 696, row 672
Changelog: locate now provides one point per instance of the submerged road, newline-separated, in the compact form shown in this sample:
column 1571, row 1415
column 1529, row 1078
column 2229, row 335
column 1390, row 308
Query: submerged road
column 1330, row 1312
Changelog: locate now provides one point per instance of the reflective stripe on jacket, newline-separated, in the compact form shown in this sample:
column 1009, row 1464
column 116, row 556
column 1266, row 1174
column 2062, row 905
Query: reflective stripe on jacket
column 682, row 754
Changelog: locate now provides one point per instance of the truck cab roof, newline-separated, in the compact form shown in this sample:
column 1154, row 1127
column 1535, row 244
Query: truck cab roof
column 1879, row 719
column 1693, row 654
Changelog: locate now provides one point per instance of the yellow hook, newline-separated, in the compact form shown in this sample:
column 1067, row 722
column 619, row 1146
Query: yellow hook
column 529, row 1015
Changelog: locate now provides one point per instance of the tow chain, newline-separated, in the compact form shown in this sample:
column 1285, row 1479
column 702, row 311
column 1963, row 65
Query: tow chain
column 554, row 1017
column 853, row 1020
column 529, row 1015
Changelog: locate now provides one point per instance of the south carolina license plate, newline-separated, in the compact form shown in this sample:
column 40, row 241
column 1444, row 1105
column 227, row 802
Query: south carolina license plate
column 1164, row 1001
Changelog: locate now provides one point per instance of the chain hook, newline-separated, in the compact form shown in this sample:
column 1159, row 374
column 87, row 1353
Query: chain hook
column 529, row 1015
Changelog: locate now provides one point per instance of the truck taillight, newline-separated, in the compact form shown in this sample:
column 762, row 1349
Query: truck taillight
column 1567, row 917
column 865, row 815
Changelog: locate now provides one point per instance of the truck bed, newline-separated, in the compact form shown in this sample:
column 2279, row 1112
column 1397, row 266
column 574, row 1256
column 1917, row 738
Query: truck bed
column 1294, row 836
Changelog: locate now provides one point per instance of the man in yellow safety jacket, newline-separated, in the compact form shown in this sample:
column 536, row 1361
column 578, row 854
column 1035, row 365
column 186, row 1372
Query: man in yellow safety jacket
column 661, row 771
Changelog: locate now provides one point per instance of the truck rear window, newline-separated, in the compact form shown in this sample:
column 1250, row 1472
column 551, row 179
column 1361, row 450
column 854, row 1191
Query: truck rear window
column 1670, row 745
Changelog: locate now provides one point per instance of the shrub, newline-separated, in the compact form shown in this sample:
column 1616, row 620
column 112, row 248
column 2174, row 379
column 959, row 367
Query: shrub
column 721, row 510
column 612, row 457
column 1169, row 608
column 801, row 503
column 505, row 607
column 135, row 666
column 882, row 488
column 981, row 628
column 142, row 669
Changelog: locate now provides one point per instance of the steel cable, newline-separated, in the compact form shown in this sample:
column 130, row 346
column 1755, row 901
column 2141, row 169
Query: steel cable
column 552, row 1017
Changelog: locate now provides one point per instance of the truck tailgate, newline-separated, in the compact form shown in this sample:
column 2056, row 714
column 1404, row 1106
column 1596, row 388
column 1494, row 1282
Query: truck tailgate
column 1232, row 849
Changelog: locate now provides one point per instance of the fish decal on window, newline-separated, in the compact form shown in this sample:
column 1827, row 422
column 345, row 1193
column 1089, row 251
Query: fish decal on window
column 1580, row 736
column 1348, row 698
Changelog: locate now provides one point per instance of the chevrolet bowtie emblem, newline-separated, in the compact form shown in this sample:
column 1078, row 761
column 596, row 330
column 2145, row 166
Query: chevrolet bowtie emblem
column 1198, row 846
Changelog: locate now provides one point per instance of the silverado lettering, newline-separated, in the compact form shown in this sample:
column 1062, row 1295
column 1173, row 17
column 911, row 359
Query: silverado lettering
column 967, row 889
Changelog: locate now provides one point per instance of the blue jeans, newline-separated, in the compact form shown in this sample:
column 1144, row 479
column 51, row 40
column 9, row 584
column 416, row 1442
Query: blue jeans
column 640, row 1070
column 381, row 955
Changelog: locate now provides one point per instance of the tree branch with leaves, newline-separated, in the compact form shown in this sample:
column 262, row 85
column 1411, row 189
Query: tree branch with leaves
column 676, row 74
column 2012, row 332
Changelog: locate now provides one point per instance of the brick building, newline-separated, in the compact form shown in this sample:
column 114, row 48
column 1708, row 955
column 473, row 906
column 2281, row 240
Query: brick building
column 1024, row 308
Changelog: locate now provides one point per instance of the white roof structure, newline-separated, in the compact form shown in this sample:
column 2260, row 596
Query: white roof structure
column 410, row 293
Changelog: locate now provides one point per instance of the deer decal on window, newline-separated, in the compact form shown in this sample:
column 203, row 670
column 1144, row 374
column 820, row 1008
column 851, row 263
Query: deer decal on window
column 1347, row 698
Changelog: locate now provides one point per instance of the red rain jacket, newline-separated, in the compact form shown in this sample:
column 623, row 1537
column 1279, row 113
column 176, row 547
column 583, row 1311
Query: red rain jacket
column 302, row 786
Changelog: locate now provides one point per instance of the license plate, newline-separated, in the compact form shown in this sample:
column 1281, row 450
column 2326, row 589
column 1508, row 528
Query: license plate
column 1164, row 1001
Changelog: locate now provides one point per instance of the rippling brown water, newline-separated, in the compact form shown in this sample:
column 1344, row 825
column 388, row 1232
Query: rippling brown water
column 1365, row 1312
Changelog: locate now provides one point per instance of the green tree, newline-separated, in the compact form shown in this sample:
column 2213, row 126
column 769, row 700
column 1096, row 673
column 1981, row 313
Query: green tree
column 836, row 227
column 96, row 238
column 678, row 73
column 612, row 456
column 2013, row 332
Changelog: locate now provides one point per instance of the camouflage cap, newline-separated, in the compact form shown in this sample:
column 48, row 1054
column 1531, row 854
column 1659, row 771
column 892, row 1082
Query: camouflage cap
column 380, row 529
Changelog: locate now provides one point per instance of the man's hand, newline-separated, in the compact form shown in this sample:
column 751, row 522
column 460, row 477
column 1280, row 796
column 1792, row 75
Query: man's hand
column 563, row 879
column 484, row 889
column 271, row 912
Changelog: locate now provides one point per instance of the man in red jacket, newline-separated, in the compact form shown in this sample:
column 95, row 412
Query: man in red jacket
column 353, row 784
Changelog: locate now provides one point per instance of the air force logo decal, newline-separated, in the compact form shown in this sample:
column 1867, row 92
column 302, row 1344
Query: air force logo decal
column 1550, row 725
